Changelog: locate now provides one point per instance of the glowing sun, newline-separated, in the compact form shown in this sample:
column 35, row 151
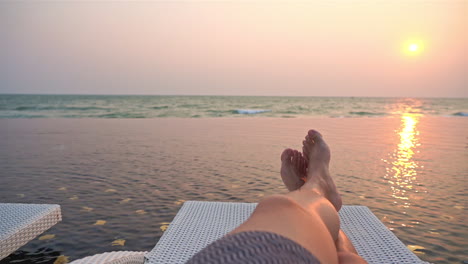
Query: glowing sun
column 413, row 47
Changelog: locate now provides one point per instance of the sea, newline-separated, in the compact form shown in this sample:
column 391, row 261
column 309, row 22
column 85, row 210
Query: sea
column 141, row 106
column 121, row 167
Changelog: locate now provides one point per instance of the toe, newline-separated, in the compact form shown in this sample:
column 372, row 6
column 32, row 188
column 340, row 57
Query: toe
column 305, row 151
column 314, row 134
column 287, row 155
column 297, row 159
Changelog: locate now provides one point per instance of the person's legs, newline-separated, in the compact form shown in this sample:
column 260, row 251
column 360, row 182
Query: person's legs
column 304, row 215
column 308, row 214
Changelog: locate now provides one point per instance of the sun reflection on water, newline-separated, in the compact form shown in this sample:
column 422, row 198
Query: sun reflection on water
column 402, row 168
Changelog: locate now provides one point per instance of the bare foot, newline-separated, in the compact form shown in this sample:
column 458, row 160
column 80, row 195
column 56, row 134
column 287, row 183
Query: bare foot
column 293, row 169
column 317, row 153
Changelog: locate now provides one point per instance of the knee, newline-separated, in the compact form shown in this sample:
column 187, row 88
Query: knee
column 276, row 203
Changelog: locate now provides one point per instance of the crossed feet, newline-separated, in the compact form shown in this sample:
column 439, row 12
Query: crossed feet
column 309, row 169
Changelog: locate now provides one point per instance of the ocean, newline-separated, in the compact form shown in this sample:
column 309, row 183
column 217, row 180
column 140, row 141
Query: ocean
column 121, row 166
column 125, row 106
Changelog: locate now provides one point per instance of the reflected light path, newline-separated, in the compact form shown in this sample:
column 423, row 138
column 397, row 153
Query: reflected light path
column 401, row 172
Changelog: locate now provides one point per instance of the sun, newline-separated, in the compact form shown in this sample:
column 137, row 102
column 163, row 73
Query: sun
column 413, row 47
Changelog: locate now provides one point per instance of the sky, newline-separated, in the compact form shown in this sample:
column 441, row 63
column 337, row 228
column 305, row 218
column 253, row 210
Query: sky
column 283, row 48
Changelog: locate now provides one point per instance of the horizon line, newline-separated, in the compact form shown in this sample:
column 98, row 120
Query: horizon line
column 232, row 95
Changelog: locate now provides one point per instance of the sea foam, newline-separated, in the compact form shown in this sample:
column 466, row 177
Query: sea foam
column 251, row 111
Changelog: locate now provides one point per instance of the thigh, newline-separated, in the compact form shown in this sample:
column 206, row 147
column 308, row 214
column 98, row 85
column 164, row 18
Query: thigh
column 283, row 215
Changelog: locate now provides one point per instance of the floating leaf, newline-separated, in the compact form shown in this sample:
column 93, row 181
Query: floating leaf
column 179, row 202
column 234, row 186
column 110, row 190
column 118, row 242
column 458, row 207
column 62, row 188
column 126, row 200
column 61, row 260
column 260, row 195
column 100, row 222
column 46, row 237
column 164, row 226
column 416, row 249
column 140, row 212
column 21, row 195
column 362, row 197
column 87, row 209
column 74, row 197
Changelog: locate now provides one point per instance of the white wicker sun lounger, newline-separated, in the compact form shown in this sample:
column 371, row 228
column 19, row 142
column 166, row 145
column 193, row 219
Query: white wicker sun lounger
column 115, row 257
column 199, row 223
column 20, row 223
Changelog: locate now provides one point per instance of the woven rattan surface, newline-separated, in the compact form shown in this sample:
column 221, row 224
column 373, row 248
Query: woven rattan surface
column 20, row 223
column 199, row 223
column 116, row 257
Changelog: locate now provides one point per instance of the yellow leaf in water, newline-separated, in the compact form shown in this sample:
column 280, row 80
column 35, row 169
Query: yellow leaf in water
column 21, row 195
column 164, row 226
column 118, row 242
column 74, row 197
column 61, row 260
column 126, row 200
column 179, row 202
column 100, row 222
column 140, row 212
column 260, row 195
column 46, row 237
column 62, row 188
column 234, row 186
column 362, row 197
column 110, row 190
column 87, row 209
column 458, row 207
column 416, row 249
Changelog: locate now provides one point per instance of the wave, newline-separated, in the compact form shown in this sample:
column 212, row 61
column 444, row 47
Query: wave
column 460, row 114
column 23, row 116
column 160, row 107
column 362, row 113
column 289, row 112
column 72, row 108
column 188, row 105
column 122, row 115
column 250, row 111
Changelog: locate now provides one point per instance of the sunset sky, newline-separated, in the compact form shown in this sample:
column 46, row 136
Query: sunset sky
column 294, row 48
